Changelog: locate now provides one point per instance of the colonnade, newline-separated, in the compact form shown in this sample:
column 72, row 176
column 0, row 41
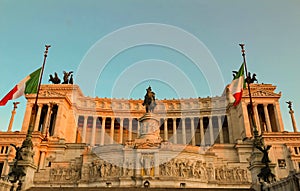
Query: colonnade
column 266, row 117
column 45, row 118
column 203, row 130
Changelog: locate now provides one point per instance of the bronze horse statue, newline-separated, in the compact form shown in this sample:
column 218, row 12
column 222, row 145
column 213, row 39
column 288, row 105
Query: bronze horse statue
column 149, row 100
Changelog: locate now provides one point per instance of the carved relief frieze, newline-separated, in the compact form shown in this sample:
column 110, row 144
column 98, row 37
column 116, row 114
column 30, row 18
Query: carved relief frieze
column 65, row 174
column 261, row 93
column 225, row 174
column 47, row 93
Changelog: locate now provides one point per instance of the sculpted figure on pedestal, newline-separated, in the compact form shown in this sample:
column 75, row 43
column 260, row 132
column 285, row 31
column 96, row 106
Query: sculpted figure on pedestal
column 149, row 100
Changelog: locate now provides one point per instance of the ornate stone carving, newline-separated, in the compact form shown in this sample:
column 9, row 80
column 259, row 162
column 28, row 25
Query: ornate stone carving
column 225, row 174
column 47, row 93
column 147, row 163
column 65, row 174
column 103, row 169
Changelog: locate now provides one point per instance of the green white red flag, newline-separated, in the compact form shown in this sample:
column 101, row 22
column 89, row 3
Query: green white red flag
column 28, row 85
column 237, row 85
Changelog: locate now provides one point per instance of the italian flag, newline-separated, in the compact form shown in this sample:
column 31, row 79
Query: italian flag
column 27, row 86
column 237, row 85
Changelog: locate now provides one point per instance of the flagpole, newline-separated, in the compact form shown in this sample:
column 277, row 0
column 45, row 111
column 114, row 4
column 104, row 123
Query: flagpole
column 248, row 81
column 35, row 106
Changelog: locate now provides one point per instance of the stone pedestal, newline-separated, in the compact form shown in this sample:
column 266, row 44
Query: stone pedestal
column 29, row 169
column 149, row 133
column 255, row 168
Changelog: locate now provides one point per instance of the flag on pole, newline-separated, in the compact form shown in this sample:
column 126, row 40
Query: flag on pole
column 237, row 85
column 28, row 85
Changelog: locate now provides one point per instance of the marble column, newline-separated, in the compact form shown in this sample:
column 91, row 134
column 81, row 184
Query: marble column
column 27, row 116
column 256, row 117
column 11, row 121
column 93, row 135
column 202, row 138
column 193, row 131
column 85, row 118
column 121, row 131
column 211, row 132
column 248, row 128
column 47, row 119
column 42, row 160
column 277, row 113
column 58, row 120
column 166, row 129
column 183, row 131
column 230, row 131
column 138, row 128
column 267, row 118
column 102, row 131
column 174, row 131
column 293, row 120
column 220, row 129
column 38, row 117
column 112, row 130
column 130, row 129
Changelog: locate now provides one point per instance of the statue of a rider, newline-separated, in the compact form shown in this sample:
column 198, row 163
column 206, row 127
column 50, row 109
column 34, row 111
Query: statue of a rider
column 149, row 100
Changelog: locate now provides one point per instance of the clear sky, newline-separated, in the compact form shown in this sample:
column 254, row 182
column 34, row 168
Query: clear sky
column 180, row 48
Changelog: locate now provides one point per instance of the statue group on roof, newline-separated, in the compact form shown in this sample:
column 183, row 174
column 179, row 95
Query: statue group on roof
column 67, row 79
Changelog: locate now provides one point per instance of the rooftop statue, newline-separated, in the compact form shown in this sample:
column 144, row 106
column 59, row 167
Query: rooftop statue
column 149, row 100
column 55, row 79
column 66, row 77
column 289, row 104
column 249, row 79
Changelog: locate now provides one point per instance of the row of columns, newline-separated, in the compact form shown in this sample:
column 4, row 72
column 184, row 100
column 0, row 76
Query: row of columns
column 46, row 120
column 102, row 134
column 193, row 133
column 268, row 126
column 165, row 135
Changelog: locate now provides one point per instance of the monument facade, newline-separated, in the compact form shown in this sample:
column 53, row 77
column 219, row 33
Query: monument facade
column 86, row 142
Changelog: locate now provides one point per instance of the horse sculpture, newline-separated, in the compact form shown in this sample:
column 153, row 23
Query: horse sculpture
column 66, row 77
column 149, row 100
column 55, row 79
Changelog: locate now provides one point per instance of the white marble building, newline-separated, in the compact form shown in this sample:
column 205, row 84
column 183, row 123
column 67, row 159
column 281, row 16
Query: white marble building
column 86, row 142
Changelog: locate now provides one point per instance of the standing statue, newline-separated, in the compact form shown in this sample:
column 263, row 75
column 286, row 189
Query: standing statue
column 55, row 79
column 265, row 172
column 66, row 77
column 289, row 104
column 250, row 79
column 149, row 100
column 71, row 79
column 265, row 150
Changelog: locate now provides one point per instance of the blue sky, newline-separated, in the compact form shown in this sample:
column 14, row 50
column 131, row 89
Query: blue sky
column 84, row 33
